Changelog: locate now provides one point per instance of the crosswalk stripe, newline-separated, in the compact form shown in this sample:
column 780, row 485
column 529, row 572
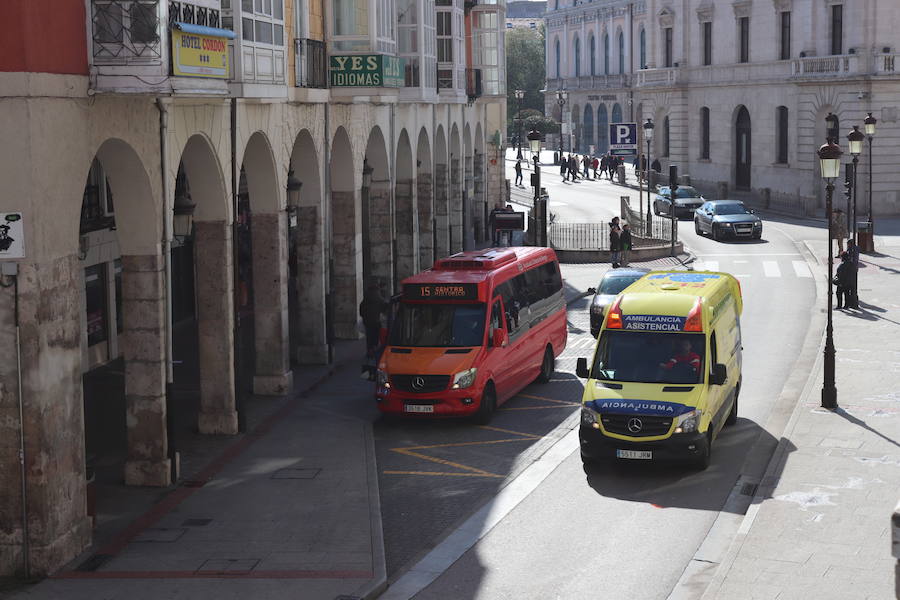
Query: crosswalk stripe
column 709, row 265
column 770, row 267
column 801, row 269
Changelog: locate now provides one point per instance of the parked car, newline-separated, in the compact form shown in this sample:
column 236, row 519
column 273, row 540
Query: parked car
column 613, row 282
column 727, row 218
column 687, row 199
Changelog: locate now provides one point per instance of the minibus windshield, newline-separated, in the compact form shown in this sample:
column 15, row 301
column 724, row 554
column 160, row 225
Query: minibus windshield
column 438, row 325
column 650, row 357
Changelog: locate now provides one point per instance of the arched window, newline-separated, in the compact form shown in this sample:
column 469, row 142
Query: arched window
column 588, row 128
column 621, row 53
column 616, row 113
column 665, row 140
column 643, row 48
column 704, row 133
column 577, row 57
column 742, row 152
column 606, row 54
column 558, row 56
column 782, row 123
column 592, row 48
column 602, row 129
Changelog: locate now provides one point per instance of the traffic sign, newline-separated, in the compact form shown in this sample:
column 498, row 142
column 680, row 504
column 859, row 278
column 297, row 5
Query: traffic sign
column 623, row 136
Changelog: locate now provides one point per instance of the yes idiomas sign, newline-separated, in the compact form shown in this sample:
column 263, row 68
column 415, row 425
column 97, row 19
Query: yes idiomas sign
column 366, row 70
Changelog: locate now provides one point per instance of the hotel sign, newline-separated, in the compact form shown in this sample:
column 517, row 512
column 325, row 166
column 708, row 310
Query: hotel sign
column 366, row 70
column 199, row 55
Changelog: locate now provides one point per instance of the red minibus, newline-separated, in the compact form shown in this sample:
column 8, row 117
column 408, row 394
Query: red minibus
column 471, row 332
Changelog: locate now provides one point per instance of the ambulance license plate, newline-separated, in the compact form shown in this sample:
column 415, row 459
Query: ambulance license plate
column 640, row 454
column 419, row 408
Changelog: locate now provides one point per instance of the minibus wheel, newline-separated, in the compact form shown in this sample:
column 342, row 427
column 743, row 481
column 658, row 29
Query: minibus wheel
column 487, row 406
column 703, row 460
column 548, row 365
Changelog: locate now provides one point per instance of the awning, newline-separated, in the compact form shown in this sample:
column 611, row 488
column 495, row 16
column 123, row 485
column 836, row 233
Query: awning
column 203, row 30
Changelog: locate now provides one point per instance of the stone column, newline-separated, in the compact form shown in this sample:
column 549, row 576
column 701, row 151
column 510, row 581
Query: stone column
column 270, row 305
column 214, row 268
column 406, row 231
column 346, row 288
column 309, row 281
column 480, row 225
column 441, row 212
column 144, row 351
column 50, row 327
column 381, row 235
column 468, row 206
column 456, row 207
column 425, row 201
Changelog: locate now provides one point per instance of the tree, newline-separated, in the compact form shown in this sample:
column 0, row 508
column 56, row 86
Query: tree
column 525, row 69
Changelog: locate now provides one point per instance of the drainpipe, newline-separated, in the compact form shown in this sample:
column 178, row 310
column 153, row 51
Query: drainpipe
column 167, row 257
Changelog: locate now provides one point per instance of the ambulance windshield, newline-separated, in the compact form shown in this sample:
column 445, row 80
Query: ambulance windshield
column 650, row 357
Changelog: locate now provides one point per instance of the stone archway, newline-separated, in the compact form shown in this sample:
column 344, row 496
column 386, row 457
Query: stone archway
column 425, row 201
column 441, row 195
column 379, row 251
column 306, row 257
column 456, row 204
column 345, row 289
column 406, row 221
column 468, row 197
column 481, row 207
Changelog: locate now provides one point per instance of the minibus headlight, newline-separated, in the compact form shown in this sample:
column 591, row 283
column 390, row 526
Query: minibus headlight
column 464, row 379
column 382, row 378
column 588, row 417
column 688, row 422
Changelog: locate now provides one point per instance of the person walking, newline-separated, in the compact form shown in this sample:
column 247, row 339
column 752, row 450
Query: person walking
column 371, row 309
column 624, row 244
column 573, row 167
column 586, row 162
column 604, row 162
column 615, row 242
column 845, row 279
column 838, row 229
column 656, row 166
column 519, row 173
column 611, row 166
column 595, row 163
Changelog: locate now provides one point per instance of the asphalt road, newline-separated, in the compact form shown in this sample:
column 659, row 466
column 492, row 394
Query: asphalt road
column 630, row 530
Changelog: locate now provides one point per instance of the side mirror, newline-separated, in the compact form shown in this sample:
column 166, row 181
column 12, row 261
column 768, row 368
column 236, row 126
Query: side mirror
column 719, row 374
column 592, row 291
column 581, row 368
column 498, row 339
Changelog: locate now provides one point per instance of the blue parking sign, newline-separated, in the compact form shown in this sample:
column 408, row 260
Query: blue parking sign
column 623, row 136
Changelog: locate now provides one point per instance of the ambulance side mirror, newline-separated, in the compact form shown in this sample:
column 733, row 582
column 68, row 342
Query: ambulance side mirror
column 581, row 368
column 719, row 374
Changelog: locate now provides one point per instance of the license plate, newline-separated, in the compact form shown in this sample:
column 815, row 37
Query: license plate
column 640, row 454
column 419, row 408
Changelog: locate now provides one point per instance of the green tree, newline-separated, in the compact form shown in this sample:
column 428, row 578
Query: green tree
column 525, row 69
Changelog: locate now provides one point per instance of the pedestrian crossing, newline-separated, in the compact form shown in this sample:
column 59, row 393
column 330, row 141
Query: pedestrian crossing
column 767, row 269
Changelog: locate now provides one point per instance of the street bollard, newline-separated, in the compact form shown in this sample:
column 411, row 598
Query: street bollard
column 620, row 173
column 864, row 237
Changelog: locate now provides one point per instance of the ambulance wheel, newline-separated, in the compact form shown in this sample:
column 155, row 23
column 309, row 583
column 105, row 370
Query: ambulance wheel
column 548, row 365
column 487, row 406
column 732, row 416
column 703, row 460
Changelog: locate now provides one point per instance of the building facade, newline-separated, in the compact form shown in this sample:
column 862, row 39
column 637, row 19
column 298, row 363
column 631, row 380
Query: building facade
column 738, row 91
column 205, row 187
column 525, row 14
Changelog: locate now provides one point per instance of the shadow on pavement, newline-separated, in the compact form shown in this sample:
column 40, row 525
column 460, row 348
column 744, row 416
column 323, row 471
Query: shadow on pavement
column 857, row 421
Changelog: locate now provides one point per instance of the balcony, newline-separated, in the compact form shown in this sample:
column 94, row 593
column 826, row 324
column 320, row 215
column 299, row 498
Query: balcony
column 665, row 77
column 816, row 67
column 473, row 84
column 887, row 64
column 311, row 65
column 126, row 32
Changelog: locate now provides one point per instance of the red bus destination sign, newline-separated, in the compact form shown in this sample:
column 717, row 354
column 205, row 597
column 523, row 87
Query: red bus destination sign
column 440, row 291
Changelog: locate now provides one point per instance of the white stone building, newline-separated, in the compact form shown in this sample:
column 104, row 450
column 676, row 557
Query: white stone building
column 318, row 145
column 738, row 90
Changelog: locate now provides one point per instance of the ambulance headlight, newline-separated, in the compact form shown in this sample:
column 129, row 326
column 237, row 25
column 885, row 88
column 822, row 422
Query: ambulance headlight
column 688, row 422
column 588, row 417
column 464, row 379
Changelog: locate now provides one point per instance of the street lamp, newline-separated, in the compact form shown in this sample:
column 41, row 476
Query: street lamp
column 540, row 204
column 518, row 122
column 293, row 198
column 870, row 132
column 855, row 139
column 830, row 161
column 183, row 214
column 648, row 135
column 561, row 97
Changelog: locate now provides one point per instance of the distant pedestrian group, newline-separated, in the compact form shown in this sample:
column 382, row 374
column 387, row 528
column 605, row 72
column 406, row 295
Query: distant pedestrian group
column 619, row 243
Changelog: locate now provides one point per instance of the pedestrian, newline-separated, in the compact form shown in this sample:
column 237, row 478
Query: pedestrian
column 838, row 229
column 853, row 251
column 845, row 279
column 371, row 309
column 509, row 234
column 611, row 166
column 595, row 164
column 603, row 163
column 519, row 173
column 586, row 162
column 643, row 173
column 656, row 166
column 615, row 243
column 564, row 167
column 573, row 167
column 624, row 244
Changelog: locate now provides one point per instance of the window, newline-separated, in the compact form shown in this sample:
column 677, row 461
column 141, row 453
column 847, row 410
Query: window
column 782, row 123
column 558, row 58
column 704, row 133
column 350, row 25
column 833, row 129
column 445, row 37
column 666, row 139
column 126, row 29
column 96, row 308
column 643, row 48
column 592, row 48
column 487, row 53
column 621, row 53
column 577, row 57
column 707, row 42
column 744, row 36
column 606, row 54
column 837, row 29
column 667, row 47
column 785, row 35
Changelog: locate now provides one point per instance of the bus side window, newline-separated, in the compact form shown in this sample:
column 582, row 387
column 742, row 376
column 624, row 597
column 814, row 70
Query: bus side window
column 511, row 305
column 496, row 316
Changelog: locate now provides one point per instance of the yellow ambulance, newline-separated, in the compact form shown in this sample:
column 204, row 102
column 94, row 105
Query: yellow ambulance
column 666, row 371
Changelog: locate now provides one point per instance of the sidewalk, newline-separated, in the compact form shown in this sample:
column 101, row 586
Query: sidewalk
column 288, row 510
column 819, row 526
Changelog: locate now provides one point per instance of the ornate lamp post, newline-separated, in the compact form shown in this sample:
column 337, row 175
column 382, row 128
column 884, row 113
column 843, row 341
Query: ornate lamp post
column 540, row 203
column 518, row 122
column 870, row 132
column 561, row 97
column 855, row 139
column 648, row 135
column 830, row 161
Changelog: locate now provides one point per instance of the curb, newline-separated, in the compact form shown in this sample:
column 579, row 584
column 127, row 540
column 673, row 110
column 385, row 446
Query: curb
column 378, row 584
column 709, row 566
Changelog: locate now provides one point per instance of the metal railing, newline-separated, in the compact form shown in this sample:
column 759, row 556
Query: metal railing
column 311, row 63
column 579, row 236
column 658, row 231
column 126, row 32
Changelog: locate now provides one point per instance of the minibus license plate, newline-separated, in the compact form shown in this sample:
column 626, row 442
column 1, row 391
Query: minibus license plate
column 419, row 408
column 642, row 454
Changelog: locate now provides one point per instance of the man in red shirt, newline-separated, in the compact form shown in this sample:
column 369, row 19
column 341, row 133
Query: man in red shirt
column 684, row 355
